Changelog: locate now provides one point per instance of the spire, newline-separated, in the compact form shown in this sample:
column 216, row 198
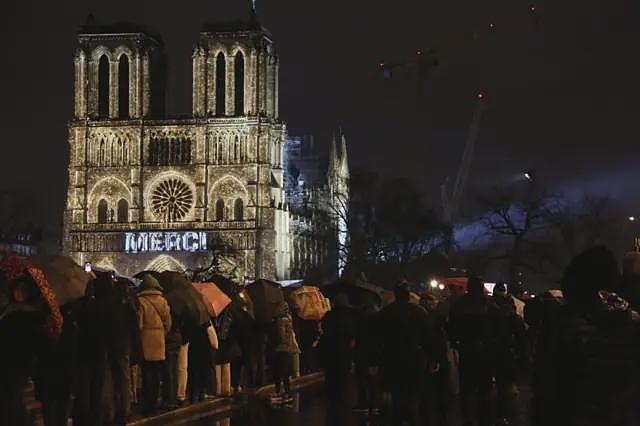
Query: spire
column 333, row 159
column 344, row 159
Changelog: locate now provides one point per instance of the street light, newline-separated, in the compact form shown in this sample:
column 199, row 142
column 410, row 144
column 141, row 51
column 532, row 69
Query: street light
column 433, row 283
column 632, row 218
column 528, row 175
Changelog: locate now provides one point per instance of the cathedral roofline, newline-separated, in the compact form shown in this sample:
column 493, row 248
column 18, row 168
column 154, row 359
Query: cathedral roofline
column 240, row 25
column 119, row 29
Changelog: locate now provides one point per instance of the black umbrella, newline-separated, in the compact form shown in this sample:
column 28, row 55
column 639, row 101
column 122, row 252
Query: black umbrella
column 359, row 294
column 185, row 301
column 267, row 298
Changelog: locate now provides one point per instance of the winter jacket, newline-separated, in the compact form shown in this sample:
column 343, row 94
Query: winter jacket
column 336, row 343
column 284, row 335
column 587, row 364
column 154, row 321
column 406, row 341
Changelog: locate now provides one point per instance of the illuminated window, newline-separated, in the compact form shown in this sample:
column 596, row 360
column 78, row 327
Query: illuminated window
column 123, row 211
column 221, row 77
column 103, row 87
column 219, row 210
column 123, row 87
column 239, row 84
column 103, row 211
column 169, row 151
column 238, row 209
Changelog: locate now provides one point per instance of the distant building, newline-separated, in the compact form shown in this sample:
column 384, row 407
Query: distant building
column 152, row 192
column 24, row 243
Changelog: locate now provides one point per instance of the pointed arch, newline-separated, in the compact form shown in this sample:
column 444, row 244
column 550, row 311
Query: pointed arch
column 125, row 152
column 103, row 211
column 221, row 86
column 239, row 83
column 165, row 263
column 238, row 209
column 104, row 84
column 220, row 210
column 123, row 86
column 123, row 211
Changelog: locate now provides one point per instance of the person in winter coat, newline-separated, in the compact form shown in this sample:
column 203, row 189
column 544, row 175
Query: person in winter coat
column 367, row 361
column 510, row 352
column 284, row 345
column 336, row 349
column 588, row 355
column 154, row 321
column 407, row 346
column 473, row 329
column 438, row 393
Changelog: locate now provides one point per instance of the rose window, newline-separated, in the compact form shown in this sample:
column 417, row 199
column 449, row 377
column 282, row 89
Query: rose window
column 171, row 200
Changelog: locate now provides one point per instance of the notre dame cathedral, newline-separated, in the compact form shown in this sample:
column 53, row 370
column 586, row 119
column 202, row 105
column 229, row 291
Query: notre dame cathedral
column 148, row 191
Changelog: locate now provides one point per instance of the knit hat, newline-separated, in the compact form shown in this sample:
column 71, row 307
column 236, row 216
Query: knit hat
column 150, row 283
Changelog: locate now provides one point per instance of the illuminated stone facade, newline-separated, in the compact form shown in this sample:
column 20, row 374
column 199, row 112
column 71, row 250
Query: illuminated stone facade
column 135, row 171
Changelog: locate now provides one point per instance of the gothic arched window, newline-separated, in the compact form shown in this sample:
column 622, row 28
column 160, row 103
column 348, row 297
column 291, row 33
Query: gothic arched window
column 123, row 211
column 238, row 209
column 101, row 161
column 219, row 210
column 125, row 153
column 103, row 211
column 239, row 84
column 103, row 87
column 221, row 87
column 123, row 87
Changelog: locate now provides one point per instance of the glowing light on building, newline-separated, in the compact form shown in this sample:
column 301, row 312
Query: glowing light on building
column 154, row 242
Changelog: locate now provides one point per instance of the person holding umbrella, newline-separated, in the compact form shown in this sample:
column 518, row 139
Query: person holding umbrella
column 154, row 321
column 284, row 344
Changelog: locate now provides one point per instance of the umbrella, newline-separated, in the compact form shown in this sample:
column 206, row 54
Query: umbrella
column 360, row 294
column 225, row 284
column 184, row 299
column 66, row 278
column 309, row 303
column 267, row 297
column 214, row 298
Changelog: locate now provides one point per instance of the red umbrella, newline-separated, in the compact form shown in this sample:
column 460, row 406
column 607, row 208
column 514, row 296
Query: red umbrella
column 215, row 299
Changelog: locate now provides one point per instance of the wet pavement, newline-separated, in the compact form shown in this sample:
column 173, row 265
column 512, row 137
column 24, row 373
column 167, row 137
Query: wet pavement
column 310, row 408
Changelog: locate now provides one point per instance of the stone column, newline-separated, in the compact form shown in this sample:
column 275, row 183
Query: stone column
column 146, row 88
column 113, row 89
column 230, row 100
column 93, row 88
column 252, row 74
column 199, row 79
column 276, row 89
column 136, row 105
column 80, row 84
column 211, row 83
column 271, row 71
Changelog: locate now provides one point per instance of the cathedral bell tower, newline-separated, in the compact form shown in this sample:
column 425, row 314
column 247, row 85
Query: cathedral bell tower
column 235, row 71
column 119, row 72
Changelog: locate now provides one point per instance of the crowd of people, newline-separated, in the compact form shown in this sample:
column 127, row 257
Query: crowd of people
column 131, row 348
column 577, row 350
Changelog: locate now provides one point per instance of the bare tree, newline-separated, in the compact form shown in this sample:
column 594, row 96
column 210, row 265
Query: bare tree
column 516, row 218
column 221, row 260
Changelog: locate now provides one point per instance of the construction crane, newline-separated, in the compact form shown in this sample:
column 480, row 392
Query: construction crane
column 451, row 203
column 427, row 59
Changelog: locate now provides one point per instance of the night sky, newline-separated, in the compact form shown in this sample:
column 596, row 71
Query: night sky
column 562, row 95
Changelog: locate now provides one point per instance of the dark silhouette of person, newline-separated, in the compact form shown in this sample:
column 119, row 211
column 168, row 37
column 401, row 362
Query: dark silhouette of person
column 510, row 352
column 336, row 349
column 473, row 329
column 407, row 351
column 588, row 356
